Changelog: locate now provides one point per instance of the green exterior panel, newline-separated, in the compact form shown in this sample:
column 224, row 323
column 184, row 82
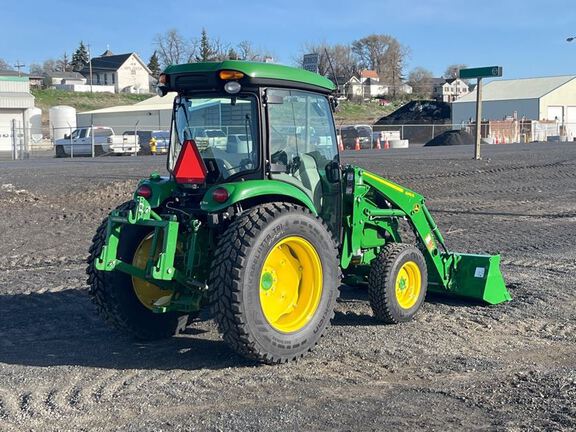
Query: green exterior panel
column 241, row 191
column 162, row 188
column 257, row 70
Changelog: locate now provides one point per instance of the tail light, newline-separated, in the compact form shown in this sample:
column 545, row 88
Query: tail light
column 144, row 191
column 190, row 167
column 220, row 195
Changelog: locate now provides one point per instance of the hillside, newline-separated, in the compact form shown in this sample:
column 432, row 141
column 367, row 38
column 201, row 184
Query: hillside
column 364, row 113
column 45, row 99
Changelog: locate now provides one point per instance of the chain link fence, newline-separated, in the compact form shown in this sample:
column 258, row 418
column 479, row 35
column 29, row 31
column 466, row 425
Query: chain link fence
column 17, row 142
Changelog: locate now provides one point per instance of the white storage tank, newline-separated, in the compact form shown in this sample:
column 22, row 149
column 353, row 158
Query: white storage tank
column 62, row 121
column 33, row 118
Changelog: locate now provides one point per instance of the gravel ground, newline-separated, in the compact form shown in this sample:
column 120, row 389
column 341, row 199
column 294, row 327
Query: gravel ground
column 457, row 366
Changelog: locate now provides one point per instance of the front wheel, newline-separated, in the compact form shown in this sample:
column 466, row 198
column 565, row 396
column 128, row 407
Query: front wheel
column 274, row 282
column 397, row 283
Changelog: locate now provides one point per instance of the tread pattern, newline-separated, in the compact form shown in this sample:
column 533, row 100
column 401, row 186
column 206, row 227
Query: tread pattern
column 225, row 277
column 380, row 272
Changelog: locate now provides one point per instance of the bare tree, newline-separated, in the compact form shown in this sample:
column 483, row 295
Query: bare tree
column 5, row 66
column 421, row 81
column 337, row 57
column 453, row 71
column 172, row 48
column 246, row 51
column 384, row 54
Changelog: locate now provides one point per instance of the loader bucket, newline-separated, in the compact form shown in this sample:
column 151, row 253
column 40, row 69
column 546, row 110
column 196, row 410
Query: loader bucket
column 478, row 277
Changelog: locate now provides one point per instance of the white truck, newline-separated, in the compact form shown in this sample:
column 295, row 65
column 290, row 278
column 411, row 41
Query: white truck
column 79, row 142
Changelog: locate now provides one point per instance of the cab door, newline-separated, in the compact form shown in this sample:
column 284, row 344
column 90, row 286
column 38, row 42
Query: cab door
column 302, row 148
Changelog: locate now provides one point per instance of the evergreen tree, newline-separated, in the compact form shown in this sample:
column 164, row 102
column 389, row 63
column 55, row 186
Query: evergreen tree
column 233, row 55
column 154, row 65
column 80, row 58
column 206, row 52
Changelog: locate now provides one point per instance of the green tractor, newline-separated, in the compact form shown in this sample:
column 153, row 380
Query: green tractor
column 258, row 221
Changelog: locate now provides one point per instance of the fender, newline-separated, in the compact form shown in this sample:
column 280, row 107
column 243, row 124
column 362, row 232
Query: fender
column 241, row 191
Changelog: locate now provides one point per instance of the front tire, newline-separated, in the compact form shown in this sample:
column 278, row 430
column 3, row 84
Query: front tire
column 60, row 153
column 397, row 283
column 274, row 282
column 122, row 300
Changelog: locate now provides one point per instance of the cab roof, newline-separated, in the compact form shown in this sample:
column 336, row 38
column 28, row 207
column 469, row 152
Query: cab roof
column 259, row 73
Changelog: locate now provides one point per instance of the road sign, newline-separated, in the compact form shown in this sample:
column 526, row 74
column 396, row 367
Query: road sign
column 481, row 72
column 310, row 62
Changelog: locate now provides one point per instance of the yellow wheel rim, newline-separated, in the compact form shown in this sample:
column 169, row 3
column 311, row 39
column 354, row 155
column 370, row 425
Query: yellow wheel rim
column 408, row 283
column 291, row 284
column 146, row 292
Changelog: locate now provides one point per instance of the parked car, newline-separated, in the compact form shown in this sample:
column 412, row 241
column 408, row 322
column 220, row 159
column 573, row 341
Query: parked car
column 79, row 142
column 159, row 142
column 239, row 143
column 350, row 133
column 215, row 138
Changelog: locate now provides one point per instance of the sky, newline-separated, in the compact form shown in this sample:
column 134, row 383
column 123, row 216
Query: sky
column 527, row 38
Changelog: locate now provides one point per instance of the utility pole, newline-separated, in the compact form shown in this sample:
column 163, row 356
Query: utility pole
column 18, row 66
column 90, row 67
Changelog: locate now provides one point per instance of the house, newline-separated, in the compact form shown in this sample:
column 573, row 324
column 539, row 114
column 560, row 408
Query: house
column 448, row 90
column 543, row 98
column 127, row 73
column 365, row 86
column 54, row 79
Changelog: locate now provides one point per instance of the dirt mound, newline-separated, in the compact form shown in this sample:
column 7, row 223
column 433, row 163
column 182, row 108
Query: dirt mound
column 419, row 112
column 451, row 137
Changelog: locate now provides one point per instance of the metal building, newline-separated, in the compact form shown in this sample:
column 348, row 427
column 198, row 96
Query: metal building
column 15, row 99
column 151, row 114
column 546, row 98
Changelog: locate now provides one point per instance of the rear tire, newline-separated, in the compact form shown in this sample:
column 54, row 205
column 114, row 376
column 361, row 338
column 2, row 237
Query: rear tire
column 98, row 150
column 397, row 283
column 114, row 293
column 60, row 152
column 274, row 282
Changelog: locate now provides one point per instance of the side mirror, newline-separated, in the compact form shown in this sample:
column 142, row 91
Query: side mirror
column 333, row 172
column 66, row 136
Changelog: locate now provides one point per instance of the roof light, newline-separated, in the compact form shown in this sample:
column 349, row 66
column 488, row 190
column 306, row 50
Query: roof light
column 162, row 79
column 190, row 167
column 227, row 75
column 232, row 87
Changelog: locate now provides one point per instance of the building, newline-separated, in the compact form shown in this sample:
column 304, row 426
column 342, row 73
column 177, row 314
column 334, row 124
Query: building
column 448, row 90
column 15, row 101
column 546, row 98
column 151, row 114
column 126, row 73
column 367, row 85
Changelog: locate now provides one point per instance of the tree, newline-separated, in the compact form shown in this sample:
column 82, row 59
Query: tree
column 210, row 49
column 453, row 71
column 172, row 48
column 421, row 81
column 337, row 61
column 154, row 65
column 80, row 58
column 384, row 54
column 63, row 64
column 4, row 66
column 232, row 54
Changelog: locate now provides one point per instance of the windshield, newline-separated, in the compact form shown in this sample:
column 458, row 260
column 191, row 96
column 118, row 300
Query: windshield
column 215, row 125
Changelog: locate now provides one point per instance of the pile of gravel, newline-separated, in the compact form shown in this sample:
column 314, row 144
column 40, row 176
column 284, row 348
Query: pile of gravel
column 451, row 137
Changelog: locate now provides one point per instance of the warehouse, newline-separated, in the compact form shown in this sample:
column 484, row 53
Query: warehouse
column 547, row 98
column 15, row 100
column 151, row 114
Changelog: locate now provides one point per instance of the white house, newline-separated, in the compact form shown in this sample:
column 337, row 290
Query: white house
column 125, row 72
column 448, row 90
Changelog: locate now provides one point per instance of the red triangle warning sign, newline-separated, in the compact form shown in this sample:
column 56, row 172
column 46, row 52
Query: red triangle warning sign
column 190, row 167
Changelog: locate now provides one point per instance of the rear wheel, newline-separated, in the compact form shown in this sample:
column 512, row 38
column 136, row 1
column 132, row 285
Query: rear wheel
column 60, row 151
column 397, row 283
column 98, row 150
column 126, row 301
column 275, row 282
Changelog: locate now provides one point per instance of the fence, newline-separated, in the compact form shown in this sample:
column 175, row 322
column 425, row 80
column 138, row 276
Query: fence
column 17, row 142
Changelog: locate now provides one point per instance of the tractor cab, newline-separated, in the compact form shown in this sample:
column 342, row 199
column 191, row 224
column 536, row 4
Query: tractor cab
column 256, row 121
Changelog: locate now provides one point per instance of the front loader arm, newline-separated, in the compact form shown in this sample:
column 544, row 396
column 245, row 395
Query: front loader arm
column 374, row 205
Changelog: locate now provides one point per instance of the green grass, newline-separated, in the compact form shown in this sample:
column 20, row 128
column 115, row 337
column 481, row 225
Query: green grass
column 45, row 99
column 366, row 112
